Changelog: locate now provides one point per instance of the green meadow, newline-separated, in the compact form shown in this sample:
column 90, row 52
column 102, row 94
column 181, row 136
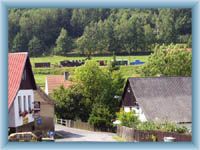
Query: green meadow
column 41, row 73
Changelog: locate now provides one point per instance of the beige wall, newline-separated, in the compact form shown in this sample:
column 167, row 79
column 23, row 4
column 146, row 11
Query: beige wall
column 46, row 113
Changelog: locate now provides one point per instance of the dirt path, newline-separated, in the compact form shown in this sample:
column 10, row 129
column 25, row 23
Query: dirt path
column 72, row 134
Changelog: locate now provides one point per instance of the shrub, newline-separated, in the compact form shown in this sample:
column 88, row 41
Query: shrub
column 100, row 117
column 128, row 119
column 165, row 127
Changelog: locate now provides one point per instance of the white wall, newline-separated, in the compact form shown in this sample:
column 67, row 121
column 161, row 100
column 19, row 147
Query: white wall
column 46, row 87
column 15, row 119
column 138, row 112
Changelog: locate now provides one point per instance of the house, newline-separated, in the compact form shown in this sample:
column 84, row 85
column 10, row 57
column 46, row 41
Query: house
column 159, row 99
column 44, row 122
column 21, row 86
column 55, row 81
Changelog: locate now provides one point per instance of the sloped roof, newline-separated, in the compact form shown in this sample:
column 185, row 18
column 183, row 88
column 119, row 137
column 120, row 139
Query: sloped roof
column 164, row 98
column 44, row 96
column 16, row 64
column 55, row 81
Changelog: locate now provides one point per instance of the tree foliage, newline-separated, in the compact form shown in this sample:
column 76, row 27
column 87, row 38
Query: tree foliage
column 100, row 117
column 172, row 60
column 92, row 96
column 35, row 47
column 67, row 102
column 63, row 43
column 98, row 30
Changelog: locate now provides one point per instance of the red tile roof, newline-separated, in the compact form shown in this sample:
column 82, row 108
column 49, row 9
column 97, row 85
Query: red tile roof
column 55, row 81
column 16, row 64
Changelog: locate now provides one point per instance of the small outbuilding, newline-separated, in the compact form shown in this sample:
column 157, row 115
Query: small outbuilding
column 44, row 120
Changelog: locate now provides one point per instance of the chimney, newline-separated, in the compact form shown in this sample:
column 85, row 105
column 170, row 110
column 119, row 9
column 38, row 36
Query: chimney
column 66, row 75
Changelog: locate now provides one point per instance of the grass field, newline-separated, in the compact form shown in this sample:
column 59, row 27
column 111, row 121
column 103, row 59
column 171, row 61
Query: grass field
column 56, row 59
column 41, row 73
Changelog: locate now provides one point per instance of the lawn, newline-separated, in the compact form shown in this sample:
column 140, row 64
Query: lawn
column 40, row 80
column 41, row 73
column 55, row 60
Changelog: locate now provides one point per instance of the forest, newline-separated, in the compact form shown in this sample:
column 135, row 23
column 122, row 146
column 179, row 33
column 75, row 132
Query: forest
column 45, row 31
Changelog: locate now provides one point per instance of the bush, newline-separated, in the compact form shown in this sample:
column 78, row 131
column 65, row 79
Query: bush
column 165, row 127
column 100, row 117
column 128, row 119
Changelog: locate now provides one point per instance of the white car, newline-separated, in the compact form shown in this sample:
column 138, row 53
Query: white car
column 23, row 137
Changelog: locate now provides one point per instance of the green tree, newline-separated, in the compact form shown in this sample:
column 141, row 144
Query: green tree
column 165, row 26
column 169, row 61
column 98, row 86
column 189, row 43
column 88, row 43
column 63, row 43
column 149, row 37
column 67, row 102
column 20, row 43
column 35, row 47
column 100, row 117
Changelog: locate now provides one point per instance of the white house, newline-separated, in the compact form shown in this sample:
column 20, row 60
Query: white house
column 21, row 86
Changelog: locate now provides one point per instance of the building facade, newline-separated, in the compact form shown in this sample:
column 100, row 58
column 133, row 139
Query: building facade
column 160, row 99
column 21, row 86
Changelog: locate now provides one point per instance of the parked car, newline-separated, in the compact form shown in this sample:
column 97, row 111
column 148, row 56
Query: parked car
column 23, row 137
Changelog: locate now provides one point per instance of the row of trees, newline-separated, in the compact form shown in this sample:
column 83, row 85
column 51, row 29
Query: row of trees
column 93, row 98
column 60, row 31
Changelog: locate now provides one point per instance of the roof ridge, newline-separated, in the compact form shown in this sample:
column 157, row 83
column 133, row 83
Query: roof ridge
column 18, row 86
column 14, row 53
column 160, row 77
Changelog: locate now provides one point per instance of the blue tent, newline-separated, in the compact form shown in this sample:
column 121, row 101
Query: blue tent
column 137, row 62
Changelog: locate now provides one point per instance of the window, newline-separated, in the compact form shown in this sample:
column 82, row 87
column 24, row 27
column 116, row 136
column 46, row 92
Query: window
column 25, row 108
column 19, row 104
column 29, row 103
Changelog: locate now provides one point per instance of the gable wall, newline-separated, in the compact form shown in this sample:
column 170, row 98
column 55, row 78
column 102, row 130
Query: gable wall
column 14, row 119
column 128, row 98
column 29, row 82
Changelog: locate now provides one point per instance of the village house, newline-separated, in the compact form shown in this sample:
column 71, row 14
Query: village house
column 55, row 81
column 160, row 99
column 44, row 120
column 21, row 86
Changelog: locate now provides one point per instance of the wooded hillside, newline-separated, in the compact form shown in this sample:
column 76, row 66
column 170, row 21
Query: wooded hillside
column 88, row 31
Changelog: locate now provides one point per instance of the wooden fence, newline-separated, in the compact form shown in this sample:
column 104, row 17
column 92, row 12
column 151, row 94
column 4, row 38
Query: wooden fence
column 131, row 134
column 82, row 125
column 76, row 124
